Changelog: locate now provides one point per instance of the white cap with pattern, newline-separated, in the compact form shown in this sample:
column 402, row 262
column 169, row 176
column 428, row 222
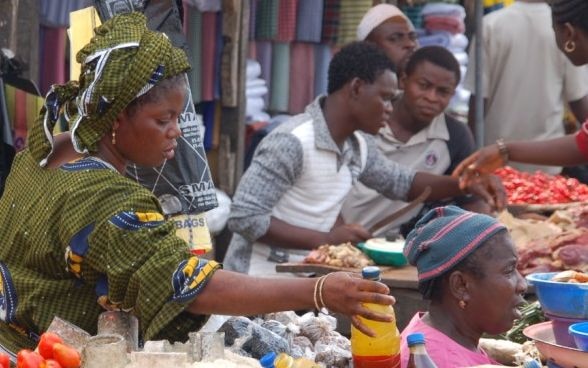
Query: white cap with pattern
column 376, row 16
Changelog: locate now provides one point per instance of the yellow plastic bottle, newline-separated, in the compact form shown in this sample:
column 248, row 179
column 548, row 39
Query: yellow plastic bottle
column 284, row 360
column 383, row 350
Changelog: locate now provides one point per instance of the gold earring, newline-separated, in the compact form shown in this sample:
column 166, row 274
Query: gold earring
column 569, row 46
column 462, row 304
column 114, row 137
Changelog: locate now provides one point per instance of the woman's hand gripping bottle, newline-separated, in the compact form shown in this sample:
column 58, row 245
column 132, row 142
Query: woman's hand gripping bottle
column 383, row 350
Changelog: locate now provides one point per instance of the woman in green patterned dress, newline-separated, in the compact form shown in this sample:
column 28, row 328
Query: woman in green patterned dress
column 78, row 237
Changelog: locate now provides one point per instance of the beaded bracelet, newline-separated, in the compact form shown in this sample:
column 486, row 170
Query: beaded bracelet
column 502, row 149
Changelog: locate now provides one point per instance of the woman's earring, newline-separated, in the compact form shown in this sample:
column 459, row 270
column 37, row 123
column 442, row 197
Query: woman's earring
column 114, row 137
column 462, row 304
column 569, row 46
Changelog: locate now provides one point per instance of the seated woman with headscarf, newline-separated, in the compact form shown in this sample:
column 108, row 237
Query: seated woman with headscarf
column 467, row 267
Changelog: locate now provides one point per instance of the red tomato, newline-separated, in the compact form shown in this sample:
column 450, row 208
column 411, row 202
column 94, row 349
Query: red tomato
column 45, row 347
column 28, row 359
column 50, row 363
column 4, row 360
column 67, row 356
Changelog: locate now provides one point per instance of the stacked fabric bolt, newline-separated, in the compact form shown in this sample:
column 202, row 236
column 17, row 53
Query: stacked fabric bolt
column 444, row 17
column 255, row 90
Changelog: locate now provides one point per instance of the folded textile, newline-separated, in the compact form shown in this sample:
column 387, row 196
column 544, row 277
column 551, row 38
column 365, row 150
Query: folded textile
column 256, row 82
column 254, row 104
column 444, row 9
column 255, row 92
column 443, row 23
column 252, row 69
column 257, row 117
column 442, row 39
column 462, row 57
column 459, row 41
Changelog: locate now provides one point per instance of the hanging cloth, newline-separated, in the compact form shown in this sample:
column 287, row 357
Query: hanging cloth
column 309, row 20
column 266, row 27
column 280, row 87
column 302, row 71
column 287, row 21
column 352, row 12
column 331, row 17
column 322, row 58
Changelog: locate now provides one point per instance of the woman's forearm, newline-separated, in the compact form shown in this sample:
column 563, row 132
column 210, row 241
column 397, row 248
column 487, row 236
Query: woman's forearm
column 555, row 152
column 238, row 298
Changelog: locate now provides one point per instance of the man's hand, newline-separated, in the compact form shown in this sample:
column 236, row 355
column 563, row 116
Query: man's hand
column 353, row 233
column 487, row 187
column 484, row 161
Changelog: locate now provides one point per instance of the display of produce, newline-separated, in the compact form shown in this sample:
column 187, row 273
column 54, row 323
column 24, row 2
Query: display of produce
column 570, row 276
column 558, row 243
column 50, row 352
column 540, row 188
column 343, row 255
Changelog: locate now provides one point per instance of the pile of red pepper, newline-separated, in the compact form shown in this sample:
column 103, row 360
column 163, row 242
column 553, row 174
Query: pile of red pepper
column 541, row 188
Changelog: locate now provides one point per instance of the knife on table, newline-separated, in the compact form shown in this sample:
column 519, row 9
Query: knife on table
column 401, row 212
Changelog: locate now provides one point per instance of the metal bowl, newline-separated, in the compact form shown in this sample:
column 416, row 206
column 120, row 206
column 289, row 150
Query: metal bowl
column 562, row 356
column 560, row 299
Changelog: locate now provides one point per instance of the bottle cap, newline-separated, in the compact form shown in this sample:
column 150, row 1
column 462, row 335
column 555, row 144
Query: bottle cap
column 415, row 338
column 371, row 273
column 267, row 361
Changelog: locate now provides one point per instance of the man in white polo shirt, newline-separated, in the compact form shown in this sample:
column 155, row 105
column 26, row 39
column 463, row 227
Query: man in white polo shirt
column 421, row 136
column 289, row 199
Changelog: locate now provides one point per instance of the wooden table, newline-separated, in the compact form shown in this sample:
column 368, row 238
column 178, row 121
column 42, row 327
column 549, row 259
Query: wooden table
column 402, row 281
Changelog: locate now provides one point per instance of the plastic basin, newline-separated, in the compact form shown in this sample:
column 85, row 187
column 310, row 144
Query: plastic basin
column 560, row 299
column 561, row 327
column 384, row 252
column 579, row 331
column 555, row 354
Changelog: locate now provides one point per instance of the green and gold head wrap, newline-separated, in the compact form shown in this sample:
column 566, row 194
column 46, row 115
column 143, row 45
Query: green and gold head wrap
column 122, row 61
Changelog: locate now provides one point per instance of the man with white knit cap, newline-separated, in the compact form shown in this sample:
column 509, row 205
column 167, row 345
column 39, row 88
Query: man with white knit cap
column 391, row 30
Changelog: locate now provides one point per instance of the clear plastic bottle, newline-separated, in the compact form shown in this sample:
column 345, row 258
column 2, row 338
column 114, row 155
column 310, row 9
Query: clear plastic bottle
column 383, row 350
column 419, row 358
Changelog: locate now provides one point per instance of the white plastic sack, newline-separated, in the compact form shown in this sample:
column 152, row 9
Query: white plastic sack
column 217, row 217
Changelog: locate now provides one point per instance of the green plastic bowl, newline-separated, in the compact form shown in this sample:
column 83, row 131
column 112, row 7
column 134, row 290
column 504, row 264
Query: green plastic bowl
column 383, row 252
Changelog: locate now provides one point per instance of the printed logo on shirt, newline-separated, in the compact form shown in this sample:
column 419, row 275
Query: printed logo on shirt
column 431, row 159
